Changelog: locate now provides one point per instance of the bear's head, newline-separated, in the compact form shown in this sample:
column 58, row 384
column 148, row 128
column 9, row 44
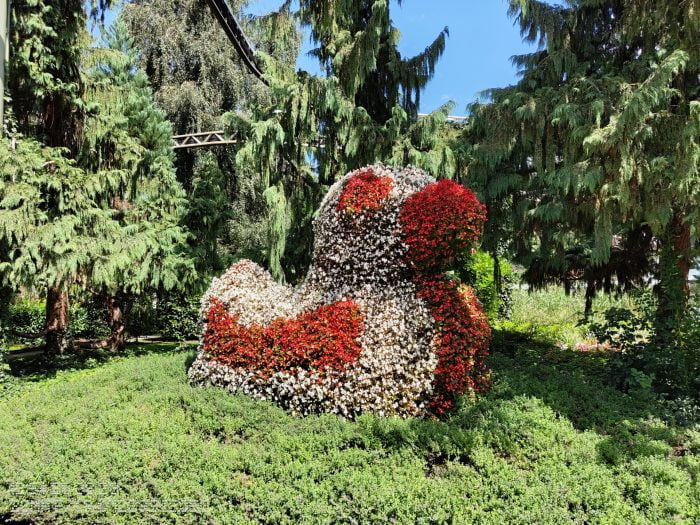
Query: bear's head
column 379, row 224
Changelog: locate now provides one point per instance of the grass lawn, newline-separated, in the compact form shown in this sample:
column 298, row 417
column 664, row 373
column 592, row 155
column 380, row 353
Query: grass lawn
column 128, row 440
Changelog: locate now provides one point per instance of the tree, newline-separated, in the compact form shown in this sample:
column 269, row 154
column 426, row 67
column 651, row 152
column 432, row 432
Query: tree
column 128, row 131
column 357, row 44
column 102, row 212
column 598, row 142
column 45, row 85
column 315, row 129
column 197, row 77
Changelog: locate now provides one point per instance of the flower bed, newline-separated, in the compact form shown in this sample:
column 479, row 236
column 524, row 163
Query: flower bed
column 376, row 325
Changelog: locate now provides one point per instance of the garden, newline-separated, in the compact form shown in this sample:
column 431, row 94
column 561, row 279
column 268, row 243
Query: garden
column 245, row 277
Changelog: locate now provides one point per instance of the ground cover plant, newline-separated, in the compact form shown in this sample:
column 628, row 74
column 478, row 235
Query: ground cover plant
column 129, row 441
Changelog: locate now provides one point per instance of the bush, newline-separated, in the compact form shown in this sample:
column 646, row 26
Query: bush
column 549, row 444
column 177, row 317
column 143, row 316
column 671, row 366
column 622, row 328
column 87, row 319
column 27, row 316
column 477, row 271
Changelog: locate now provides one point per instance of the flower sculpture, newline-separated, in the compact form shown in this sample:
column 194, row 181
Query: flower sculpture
column 377, row 325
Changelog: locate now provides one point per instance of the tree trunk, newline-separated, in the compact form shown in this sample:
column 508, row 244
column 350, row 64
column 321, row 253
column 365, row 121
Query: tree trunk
column 116, row 306
column 590, row 295
column 674, row 270
column 497, row 274
column 57, row 305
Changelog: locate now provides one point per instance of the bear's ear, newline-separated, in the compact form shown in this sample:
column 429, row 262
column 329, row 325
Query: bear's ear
column 439, row 223
column 365, row 193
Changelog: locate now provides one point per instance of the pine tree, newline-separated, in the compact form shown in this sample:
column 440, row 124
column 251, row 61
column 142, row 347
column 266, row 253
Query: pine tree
column 45, row 84
column 599, row 139
column 128, row 131
column 357, row 44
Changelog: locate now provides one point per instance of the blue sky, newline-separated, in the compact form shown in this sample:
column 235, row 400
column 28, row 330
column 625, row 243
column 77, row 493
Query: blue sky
column 482, row 40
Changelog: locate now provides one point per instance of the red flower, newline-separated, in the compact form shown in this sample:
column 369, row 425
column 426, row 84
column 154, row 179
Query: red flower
column 365, row 192
column 325, row 338
column 439, row 223
column 463, row 340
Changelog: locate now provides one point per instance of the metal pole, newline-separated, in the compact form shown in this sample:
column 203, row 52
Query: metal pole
column 4, row 56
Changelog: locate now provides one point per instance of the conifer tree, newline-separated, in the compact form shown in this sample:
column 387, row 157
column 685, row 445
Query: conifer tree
column 128, row 131
column 102, row 215
column 599, row 141
column 45, row 84
column 315, row 129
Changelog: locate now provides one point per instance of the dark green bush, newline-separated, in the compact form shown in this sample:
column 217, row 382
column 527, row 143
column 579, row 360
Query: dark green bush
column 28, row 316
column 178, row 317
column 87, row 319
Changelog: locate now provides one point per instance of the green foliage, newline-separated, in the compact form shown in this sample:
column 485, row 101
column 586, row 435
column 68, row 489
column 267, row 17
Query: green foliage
column 129, row 132
column 177, row 317
column 550, row 314
column 550, row 444
column 479, row 271
column 622, row 328
column 46, row 42
column 100, row 209
column 197, row 77
column 51, row 218
column 142, row 319
column 28, row 316
column 672, row 365
column 597, row 142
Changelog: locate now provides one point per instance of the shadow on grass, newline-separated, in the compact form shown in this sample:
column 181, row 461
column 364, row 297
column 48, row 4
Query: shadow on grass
column 38, row 368
column 537, row 389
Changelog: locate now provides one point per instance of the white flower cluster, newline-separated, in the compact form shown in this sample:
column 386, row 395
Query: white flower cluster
column 359, row 257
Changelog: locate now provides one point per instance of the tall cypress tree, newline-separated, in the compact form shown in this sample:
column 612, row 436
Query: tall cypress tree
column 357, row 44
column 599, row 141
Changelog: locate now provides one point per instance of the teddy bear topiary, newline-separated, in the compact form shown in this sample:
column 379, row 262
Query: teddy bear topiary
column 377, row 325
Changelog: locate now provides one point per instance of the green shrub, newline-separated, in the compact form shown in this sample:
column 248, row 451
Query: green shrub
column 478, row 272
column 178, row 317
column 28, row 316
column 670, row 366
column 143, row 316
column 622, row 328
column 88, row 319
